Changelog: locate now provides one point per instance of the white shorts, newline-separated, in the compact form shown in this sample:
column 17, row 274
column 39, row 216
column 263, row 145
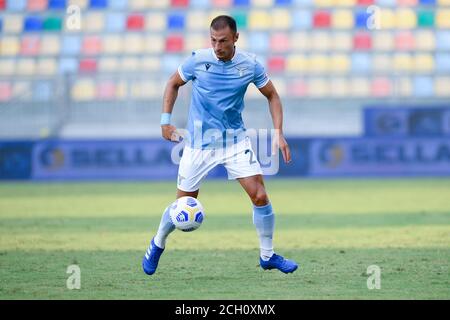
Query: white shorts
column 239, row 160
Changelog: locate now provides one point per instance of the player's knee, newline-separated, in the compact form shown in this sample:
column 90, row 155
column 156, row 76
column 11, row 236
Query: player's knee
column 260, row 198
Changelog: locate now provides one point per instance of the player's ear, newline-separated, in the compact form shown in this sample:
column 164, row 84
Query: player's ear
column 236, row 36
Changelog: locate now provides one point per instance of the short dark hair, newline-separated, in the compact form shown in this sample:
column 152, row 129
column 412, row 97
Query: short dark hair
column 221, row 22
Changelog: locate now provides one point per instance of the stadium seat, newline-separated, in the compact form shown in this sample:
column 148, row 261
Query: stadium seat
column 302, row 19
column 171, row 62
column 382, row 63
column 385, row 3
column 339, row 87
column 297, row 88
column 112, row 44
column 283, row 2
column 70, row 45
column 318, row 64
column 25, row 67
column 50, row 45
column 318, row 88
column 403, row 86
column 404, row 41
column 383, row 41
column 361, row 63
column 129, row 64
column 423, row 86
column 87, row 65
column 197, row 21
column 42, row 91
column 115, row 22
column 279, row 42
column 134, row 43
column 93, row 22
column 176, row 21
column 345, row 3
column 427, row 2
column 98, row 4
column 387, row 19
column 259, row 20
column 57, row 4
column 82, row 4
column 105, row 90
column 5, row 91
column 37, row 5
column 202, row 4
column 276, row 64
column 174, row 43
column 443, row 2
column 83, row 90
column 443, row 63
column 406, row 18
column 425, row 19
column 241, row 20
column 30, row 45
column 281, row 19
column 160, row 4
column 339, row 63
column 424, row 63
column 1, row 25
column 154, row 44
column 197, row 41
column 68, row 65
column 443, row 40
column 279, row 83
column 16, row 5
column 13, row 23
column 362, row 41
column 320, row 41
column 322, row 19
column 21, row 89
column 403, row 62
column 341, row 41
column 360, row 18
column 33, row 24
column 381, row 87
column 52, row 24
column 443, row 18
column 441, row 85
column 2, row 4
column 241, row 3
column 261, row 3
column 135, row 22
column 9, row 46
column 155, row 22
column 7, row 67
column 118, row 4
column 152, row 64
column 108, row 64
column 323, row 3
column 360, row 87
column 342, row 19
column 425, row 40
column 404, row 3
column 300, row 41
column 179, row 3
column 221, row 3
column 259, row 41
column 91, row 45
column 297, row 63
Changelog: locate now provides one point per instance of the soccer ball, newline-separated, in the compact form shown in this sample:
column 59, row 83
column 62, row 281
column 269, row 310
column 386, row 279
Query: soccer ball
column 186, row 213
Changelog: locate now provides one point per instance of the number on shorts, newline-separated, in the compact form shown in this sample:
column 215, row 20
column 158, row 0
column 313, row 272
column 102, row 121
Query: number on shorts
column 251, row 161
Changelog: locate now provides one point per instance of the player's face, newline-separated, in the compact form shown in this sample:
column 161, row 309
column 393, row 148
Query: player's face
column 223, row 41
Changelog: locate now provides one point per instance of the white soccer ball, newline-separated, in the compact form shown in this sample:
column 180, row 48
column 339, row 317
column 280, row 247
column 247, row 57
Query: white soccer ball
column 187, row 214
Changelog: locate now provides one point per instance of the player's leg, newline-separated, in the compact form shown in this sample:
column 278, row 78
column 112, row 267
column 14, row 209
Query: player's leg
column 264, row 221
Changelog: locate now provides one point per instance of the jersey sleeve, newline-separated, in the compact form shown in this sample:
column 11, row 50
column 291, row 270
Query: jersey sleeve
column 187, row 68
column 260, row 79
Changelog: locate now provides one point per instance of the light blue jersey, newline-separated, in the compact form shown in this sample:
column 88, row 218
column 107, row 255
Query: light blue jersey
column 218, row 90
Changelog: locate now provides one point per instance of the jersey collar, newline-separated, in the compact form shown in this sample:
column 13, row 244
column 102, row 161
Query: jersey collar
column 232, row 59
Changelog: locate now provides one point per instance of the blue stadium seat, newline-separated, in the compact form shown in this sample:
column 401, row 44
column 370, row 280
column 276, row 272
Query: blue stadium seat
column 16, row 5
column 98, row 4
column 427, row 2
column 176, row 21
column 361, row 19
column 42, row 91
column 115, row 22
column 199, row 3
column 68, row 65
column 443, row 62
column 57, row 4
column 443, row 40
column 33, row 24
column 361, row 62
column 259, row 41
column 302, row 19
column 423, row 86
column 118, row 4
column 1, row 25
column 71, row 45
column 283, row 2
column 241, row 3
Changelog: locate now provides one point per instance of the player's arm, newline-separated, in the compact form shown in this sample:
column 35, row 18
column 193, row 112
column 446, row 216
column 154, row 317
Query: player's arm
column 276, row 111
column 170, row 96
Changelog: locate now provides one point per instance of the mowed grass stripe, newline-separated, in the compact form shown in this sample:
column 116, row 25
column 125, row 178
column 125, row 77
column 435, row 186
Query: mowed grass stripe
column 221, row 221
column 386, row 237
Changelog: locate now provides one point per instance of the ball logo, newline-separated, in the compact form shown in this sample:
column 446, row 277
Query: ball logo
column 332, row 155
column 52, row 158
column 182, row 216
column 199, row 217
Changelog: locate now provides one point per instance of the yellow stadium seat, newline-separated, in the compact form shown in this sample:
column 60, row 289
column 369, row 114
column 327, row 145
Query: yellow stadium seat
column 112, row 44
column 122, row 89
column 318, row 88
column 129, row 64
column 403, row 87
column 242, row 41
column 423, row 63
column 151, row 64
column 197, row 21
column 324, row 3
column 342, row 19
column 341, row 41
column 318, row 64
column 50, row 45
column 441, row 85
column 406, row 19
column 425, row 40
column 155, row 21
column 160, row 4
column 281, row 19
column 12, row 23
column 46, row 66
column 443, row 2
column 21, row 88
column 83, row 90
column 320, row 41
column 146, row 90
column 215, row 13
column 340, row 87
column 93, row 22
column 382, row 63
column 339, row 63
column 198, row 41
column 297, row 63
column 259, row 20
column 383, row 41
column 443, row 18
column 300, row 41
column 403, row 62
column 345, row 3
column 134, row 44
column 139, row 5
column 359, row 87
column 26, row 67
column 108, row 64
column 154, row 44
column 7, row 67
column 9, row 46
column 261, row 3
column 82, row 4
column 387, row 19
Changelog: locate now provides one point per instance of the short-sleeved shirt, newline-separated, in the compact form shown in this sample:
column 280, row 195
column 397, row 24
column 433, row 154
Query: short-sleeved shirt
column 217, row 100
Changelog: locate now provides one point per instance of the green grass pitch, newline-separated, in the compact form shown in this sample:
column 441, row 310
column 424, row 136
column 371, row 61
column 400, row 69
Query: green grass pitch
column 335, row 229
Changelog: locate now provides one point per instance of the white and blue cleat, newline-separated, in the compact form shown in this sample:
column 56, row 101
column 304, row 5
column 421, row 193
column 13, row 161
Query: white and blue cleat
column 278, row 262
column 151, row 258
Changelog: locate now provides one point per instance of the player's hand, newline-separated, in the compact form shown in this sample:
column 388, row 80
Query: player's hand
column 170, row 133
column 279, row 142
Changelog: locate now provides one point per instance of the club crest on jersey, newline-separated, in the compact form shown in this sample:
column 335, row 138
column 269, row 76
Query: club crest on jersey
column 241, row 71
column 207, row 66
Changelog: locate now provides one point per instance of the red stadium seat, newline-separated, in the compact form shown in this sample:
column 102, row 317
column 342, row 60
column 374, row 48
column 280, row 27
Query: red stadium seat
column 365, row 2
column 2, row 4
column 88, row 65
column 404, row 41
column 279, row 42
column 179, row 3
column 322, row 19
column 222, row 3
column 276, row 64
column 362, row 41
column 36, row 5
column 135, row 22
column 30, row 46
column 106, row 90
column 5, row 91
column 174, row 43
column 297, row 88
column 381, row 87
column 91, row 45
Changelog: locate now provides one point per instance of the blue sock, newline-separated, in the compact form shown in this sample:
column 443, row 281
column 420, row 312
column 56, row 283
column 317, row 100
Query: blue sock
column 165, row 228
column 264, row 221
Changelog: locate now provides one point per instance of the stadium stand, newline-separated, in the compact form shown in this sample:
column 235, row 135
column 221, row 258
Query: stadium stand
column 325, row 55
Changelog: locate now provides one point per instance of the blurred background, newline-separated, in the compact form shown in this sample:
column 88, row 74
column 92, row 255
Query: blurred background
column 365, row 83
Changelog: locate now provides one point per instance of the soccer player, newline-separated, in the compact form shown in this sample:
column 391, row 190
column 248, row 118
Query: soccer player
column 220, row 76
